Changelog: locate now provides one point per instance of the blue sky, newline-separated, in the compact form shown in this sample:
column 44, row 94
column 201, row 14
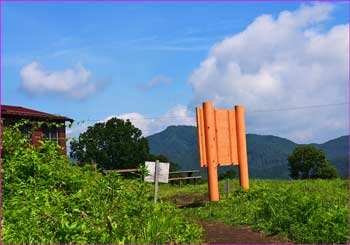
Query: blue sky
column 91, row 61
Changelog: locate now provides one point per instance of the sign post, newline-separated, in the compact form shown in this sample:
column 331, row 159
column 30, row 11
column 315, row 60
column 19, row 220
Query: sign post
column 158, row 173
column 222, row 142
column 210, row 141
column 227, row 187
column 156, row 178
column 242, row 147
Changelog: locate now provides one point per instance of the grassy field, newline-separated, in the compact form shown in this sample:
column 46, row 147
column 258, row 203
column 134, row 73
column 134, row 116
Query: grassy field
column 304, row 211
column 47, row 200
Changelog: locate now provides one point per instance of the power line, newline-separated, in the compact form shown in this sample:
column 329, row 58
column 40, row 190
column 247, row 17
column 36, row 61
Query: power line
column 145, row 118
column 300, row 107
column 248, row 112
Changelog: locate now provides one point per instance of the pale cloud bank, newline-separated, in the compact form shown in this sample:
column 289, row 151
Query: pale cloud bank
column 281, row 62
column 178, row 115
column 74, row 83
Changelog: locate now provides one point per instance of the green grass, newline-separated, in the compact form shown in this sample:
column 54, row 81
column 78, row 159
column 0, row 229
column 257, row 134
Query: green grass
column 304, row 211
column 46, row 200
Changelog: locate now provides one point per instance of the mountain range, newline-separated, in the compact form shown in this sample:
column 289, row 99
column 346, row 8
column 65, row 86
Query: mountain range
column 267, row 154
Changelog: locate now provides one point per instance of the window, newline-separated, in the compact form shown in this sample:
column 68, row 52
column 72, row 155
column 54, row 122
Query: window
column 26, row 130
column 51, row 134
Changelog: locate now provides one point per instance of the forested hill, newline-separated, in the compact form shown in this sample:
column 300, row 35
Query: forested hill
column 267, row 154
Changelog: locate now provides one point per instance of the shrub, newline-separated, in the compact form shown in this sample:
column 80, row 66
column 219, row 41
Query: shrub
column 47, row 200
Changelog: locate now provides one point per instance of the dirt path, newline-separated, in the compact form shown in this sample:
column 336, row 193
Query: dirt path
column 220, row 233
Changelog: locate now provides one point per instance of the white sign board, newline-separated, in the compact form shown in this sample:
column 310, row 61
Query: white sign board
column 163, row 176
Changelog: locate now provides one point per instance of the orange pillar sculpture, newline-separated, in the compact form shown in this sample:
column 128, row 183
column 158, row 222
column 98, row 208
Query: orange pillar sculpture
column 210, row 140
column 242, row 147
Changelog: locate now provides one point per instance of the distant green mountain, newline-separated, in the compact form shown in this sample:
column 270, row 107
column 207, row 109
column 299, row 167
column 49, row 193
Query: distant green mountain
column 267, row 154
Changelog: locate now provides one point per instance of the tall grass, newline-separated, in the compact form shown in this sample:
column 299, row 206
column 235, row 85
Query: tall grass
column 305, row 211
column 46, row 200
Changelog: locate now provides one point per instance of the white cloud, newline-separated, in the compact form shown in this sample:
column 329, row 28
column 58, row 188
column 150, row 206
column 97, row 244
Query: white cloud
column 76, row 129
column 281, row 62
column 156, row 81
column 74, row 83
column 178, row 115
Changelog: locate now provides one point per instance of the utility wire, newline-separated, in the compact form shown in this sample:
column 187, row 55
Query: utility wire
column 300, row 107
column 248, row 112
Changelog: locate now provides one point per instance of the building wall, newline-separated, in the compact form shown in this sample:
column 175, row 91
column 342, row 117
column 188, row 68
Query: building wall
column 62, row 139
column 38, row 134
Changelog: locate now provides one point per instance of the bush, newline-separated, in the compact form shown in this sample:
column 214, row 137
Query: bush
column 47, row 200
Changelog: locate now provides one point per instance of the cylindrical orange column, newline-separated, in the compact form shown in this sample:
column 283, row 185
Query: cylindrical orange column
column 211, row 154
column 242, row 147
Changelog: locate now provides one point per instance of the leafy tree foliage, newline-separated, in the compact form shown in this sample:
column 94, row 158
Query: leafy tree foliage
column 308, row 162
column 115, row 144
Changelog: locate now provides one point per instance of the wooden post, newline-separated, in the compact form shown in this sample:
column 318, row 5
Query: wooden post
column 156, row 178
column 227, row 187
column 242, row 147
column 211, row 154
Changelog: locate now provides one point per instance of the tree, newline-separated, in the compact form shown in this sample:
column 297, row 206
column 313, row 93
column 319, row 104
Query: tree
column 308, row 162
column 115, row 144
column 327, row 171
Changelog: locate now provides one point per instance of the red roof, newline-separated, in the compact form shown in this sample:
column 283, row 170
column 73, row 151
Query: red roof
column 7, row 110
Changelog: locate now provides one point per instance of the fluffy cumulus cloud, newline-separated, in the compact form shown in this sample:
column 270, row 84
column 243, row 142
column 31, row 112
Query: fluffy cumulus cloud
column 178, row 115
column 282, row 62
column 75, row 83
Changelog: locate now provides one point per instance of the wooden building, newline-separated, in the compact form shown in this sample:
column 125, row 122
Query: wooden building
column 12, row 114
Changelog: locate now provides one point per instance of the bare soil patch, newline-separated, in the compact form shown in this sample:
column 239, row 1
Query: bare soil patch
column 188, row 200
column 218, row 232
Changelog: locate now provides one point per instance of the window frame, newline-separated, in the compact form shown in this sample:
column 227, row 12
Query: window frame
column 49, row 132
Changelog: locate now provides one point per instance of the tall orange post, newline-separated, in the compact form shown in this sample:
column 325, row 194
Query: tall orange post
column 242, row 147
column 211, row 154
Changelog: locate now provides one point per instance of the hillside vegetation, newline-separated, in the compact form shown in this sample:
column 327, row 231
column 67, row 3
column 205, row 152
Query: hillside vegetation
column 46, row 200
column 304, row 211
column 267, row 154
